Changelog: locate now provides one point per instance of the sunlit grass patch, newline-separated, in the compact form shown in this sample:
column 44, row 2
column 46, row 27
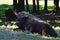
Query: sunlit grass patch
column 8, row 25
column 0, row 20
column 8, row 34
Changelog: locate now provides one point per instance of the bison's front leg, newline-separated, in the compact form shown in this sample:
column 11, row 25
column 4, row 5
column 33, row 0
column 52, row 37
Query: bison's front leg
column 43, row 33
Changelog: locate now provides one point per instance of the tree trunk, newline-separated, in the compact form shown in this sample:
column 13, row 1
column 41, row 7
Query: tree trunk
column 14, row 4
column 20, row 5
column 37, row 5
column 45, row 6
column 56, row 5
column 27, row 6
column 34, row 6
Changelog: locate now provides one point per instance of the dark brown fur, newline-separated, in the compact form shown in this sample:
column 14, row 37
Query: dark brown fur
column 35, row 25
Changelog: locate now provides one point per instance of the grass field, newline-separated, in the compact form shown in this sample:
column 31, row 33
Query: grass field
column 7, row 33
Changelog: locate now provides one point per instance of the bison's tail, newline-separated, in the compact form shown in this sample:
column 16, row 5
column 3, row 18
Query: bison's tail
column 50, row 31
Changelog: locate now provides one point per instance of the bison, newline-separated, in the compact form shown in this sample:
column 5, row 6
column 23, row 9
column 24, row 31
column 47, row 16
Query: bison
column 26, row 21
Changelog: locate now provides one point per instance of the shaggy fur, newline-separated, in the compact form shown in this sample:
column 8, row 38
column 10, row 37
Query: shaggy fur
column 26, row 21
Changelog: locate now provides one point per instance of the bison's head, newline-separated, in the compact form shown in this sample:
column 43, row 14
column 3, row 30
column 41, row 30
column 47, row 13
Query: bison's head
column 22, row 14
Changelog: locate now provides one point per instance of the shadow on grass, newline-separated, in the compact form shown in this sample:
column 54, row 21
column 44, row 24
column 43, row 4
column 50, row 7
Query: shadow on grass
column 5, row 23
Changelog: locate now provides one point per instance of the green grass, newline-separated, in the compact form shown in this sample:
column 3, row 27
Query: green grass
column 6, row 33
column 4, row 7
column 50, row 8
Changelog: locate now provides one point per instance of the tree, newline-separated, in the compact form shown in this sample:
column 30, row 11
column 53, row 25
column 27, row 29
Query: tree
column 34, row 6
column 20, row 5
column 37, row 5
column 14, row 4
column 27, row 6
column 56, row 5
column 45, row 6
